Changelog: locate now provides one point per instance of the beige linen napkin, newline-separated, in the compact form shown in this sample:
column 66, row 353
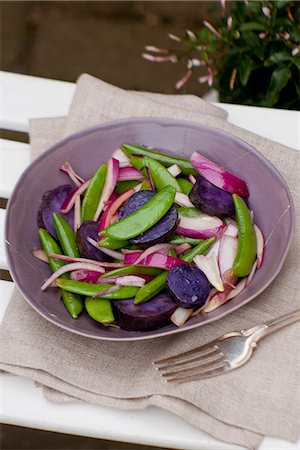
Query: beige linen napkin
column 261, row 398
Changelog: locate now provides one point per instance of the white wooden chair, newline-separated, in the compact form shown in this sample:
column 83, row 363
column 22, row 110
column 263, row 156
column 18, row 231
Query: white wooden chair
column 22, row 403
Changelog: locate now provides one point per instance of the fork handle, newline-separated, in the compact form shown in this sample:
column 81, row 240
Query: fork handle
column 271, row 326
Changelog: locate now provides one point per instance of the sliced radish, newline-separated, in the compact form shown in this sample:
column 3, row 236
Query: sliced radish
column 130, row 280
column 40, row 254
column 68, row 169
column 252, row 272
column 192, row 179
column 71, row 259
column 174, row 170
column 88, row 276
column 69, row 203
column 69, row 268
column 238, row 289
column 218, row 176
column 109, row 185
column 181, row 315
column 200, row 227
column 121, row 157
column 129, row 173
column 209, row 266
column 227, row 253
column 259, row 246
column 183, row 200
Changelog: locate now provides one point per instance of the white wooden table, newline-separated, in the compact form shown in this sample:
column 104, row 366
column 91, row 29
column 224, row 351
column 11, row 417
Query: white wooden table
column 22, row 403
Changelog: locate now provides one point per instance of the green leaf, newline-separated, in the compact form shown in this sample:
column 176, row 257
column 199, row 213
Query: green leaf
column 281, row 3
column 296, row 61
column 279, row 80
column 277, row 58
column 252, row 26
column 245, row 68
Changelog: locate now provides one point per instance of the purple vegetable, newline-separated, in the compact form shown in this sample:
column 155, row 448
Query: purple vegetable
column 162, row 231
column 153, row 314
column 89, row 228
column 52, row 201
column 211, row 199
column 188, row 286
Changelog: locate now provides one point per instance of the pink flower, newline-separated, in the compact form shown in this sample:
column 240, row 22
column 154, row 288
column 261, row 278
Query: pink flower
column 169, row 58
column 266, row 11
column 184, row 79
column 174, row 38
column 209, row 78
column 152, row 48
column 191, row 35
column 211, row 28
column 229, row 23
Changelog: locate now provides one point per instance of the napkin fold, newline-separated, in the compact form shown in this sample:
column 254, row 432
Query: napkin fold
column 260, row 399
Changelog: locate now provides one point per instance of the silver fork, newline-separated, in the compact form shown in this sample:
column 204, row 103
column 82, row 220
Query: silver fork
column 221, row 355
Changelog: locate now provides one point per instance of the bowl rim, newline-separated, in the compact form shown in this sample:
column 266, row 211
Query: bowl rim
column 140, row 121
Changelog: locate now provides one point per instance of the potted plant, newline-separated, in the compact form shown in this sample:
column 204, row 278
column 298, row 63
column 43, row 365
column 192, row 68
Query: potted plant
column 251, row 56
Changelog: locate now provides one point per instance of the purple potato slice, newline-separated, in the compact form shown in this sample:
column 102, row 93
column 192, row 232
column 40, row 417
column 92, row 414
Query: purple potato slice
column 162, row 231
column 188, row 286
column 89, row 228
column 52, row 201
column 211, row 199
column 147, row 316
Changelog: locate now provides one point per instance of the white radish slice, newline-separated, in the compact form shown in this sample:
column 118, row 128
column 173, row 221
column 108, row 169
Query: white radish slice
column 40, row 254
column 200, row 227
column 227, row 253
column 252, row 272
column 130, row 280
column 120, row 156
column 69, row 268
column 107, row 251
column 218, row 176
column 259, row 246
column 192, row 179
column 174, row 170
column 183, row 200
column 181, row 315
column 209, row 266
column 109, row 185
column 238, row 289
column 157, row 248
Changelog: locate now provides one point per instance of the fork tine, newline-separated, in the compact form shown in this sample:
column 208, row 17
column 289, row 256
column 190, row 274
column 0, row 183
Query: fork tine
column 197, row 369
column 196, row 360
column 200, row 351
column 200, row 375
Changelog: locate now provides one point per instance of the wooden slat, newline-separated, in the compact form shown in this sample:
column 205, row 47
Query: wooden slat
column 3, row 261
column 27, row 97
column 14, row 158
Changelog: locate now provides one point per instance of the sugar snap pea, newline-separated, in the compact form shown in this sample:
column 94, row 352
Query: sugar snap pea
column 93, row 193
column 186, row 185
column 99, row 309
column 167, row 160
column 113, row 244
column 161, row 177
column 156, row 285
column 143, row 218
column 178, row 239
column 88, row 290
column 132, row 270
column 66, row 236
column 72, row 302
column 246, row 252
column 124, row 186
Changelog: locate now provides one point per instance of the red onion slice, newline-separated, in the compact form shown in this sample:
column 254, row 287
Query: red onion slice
column 109, row 185
column 210, row 268
column 201, row 227
column 259, row 246
column 106, row 291
column 157, row 248
column 69, row 203
column 227, row 253
column 130, row 280
column 174, row 170
column 107, row 251
column 69, row 268
column 87, row 276
column 71, row 259
column 192, row 179
column 129, row 173
column 121, row 157
column 160, row 261
column 108, row 215
column 40, row 254
column 68, row 169
column 183, row 200
column 218, row 176
column 77, row 214
column 181, row 315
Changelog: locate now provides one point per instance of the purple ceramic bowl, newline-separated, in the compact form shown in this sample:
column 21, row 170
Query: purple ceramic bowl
column 269, row 198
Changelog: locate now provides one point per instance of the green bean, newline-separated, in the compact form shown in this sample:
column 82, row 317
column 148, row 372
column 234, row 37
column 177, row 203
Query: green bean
column 88, row 289
column 143, row 218
column 93, row 193
column 66, row 236
column 246, row 252
column 167, row 160
column 100, row 310
column 161, row 177
column 186, row 186
column 156, row 285
column 72, row 302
